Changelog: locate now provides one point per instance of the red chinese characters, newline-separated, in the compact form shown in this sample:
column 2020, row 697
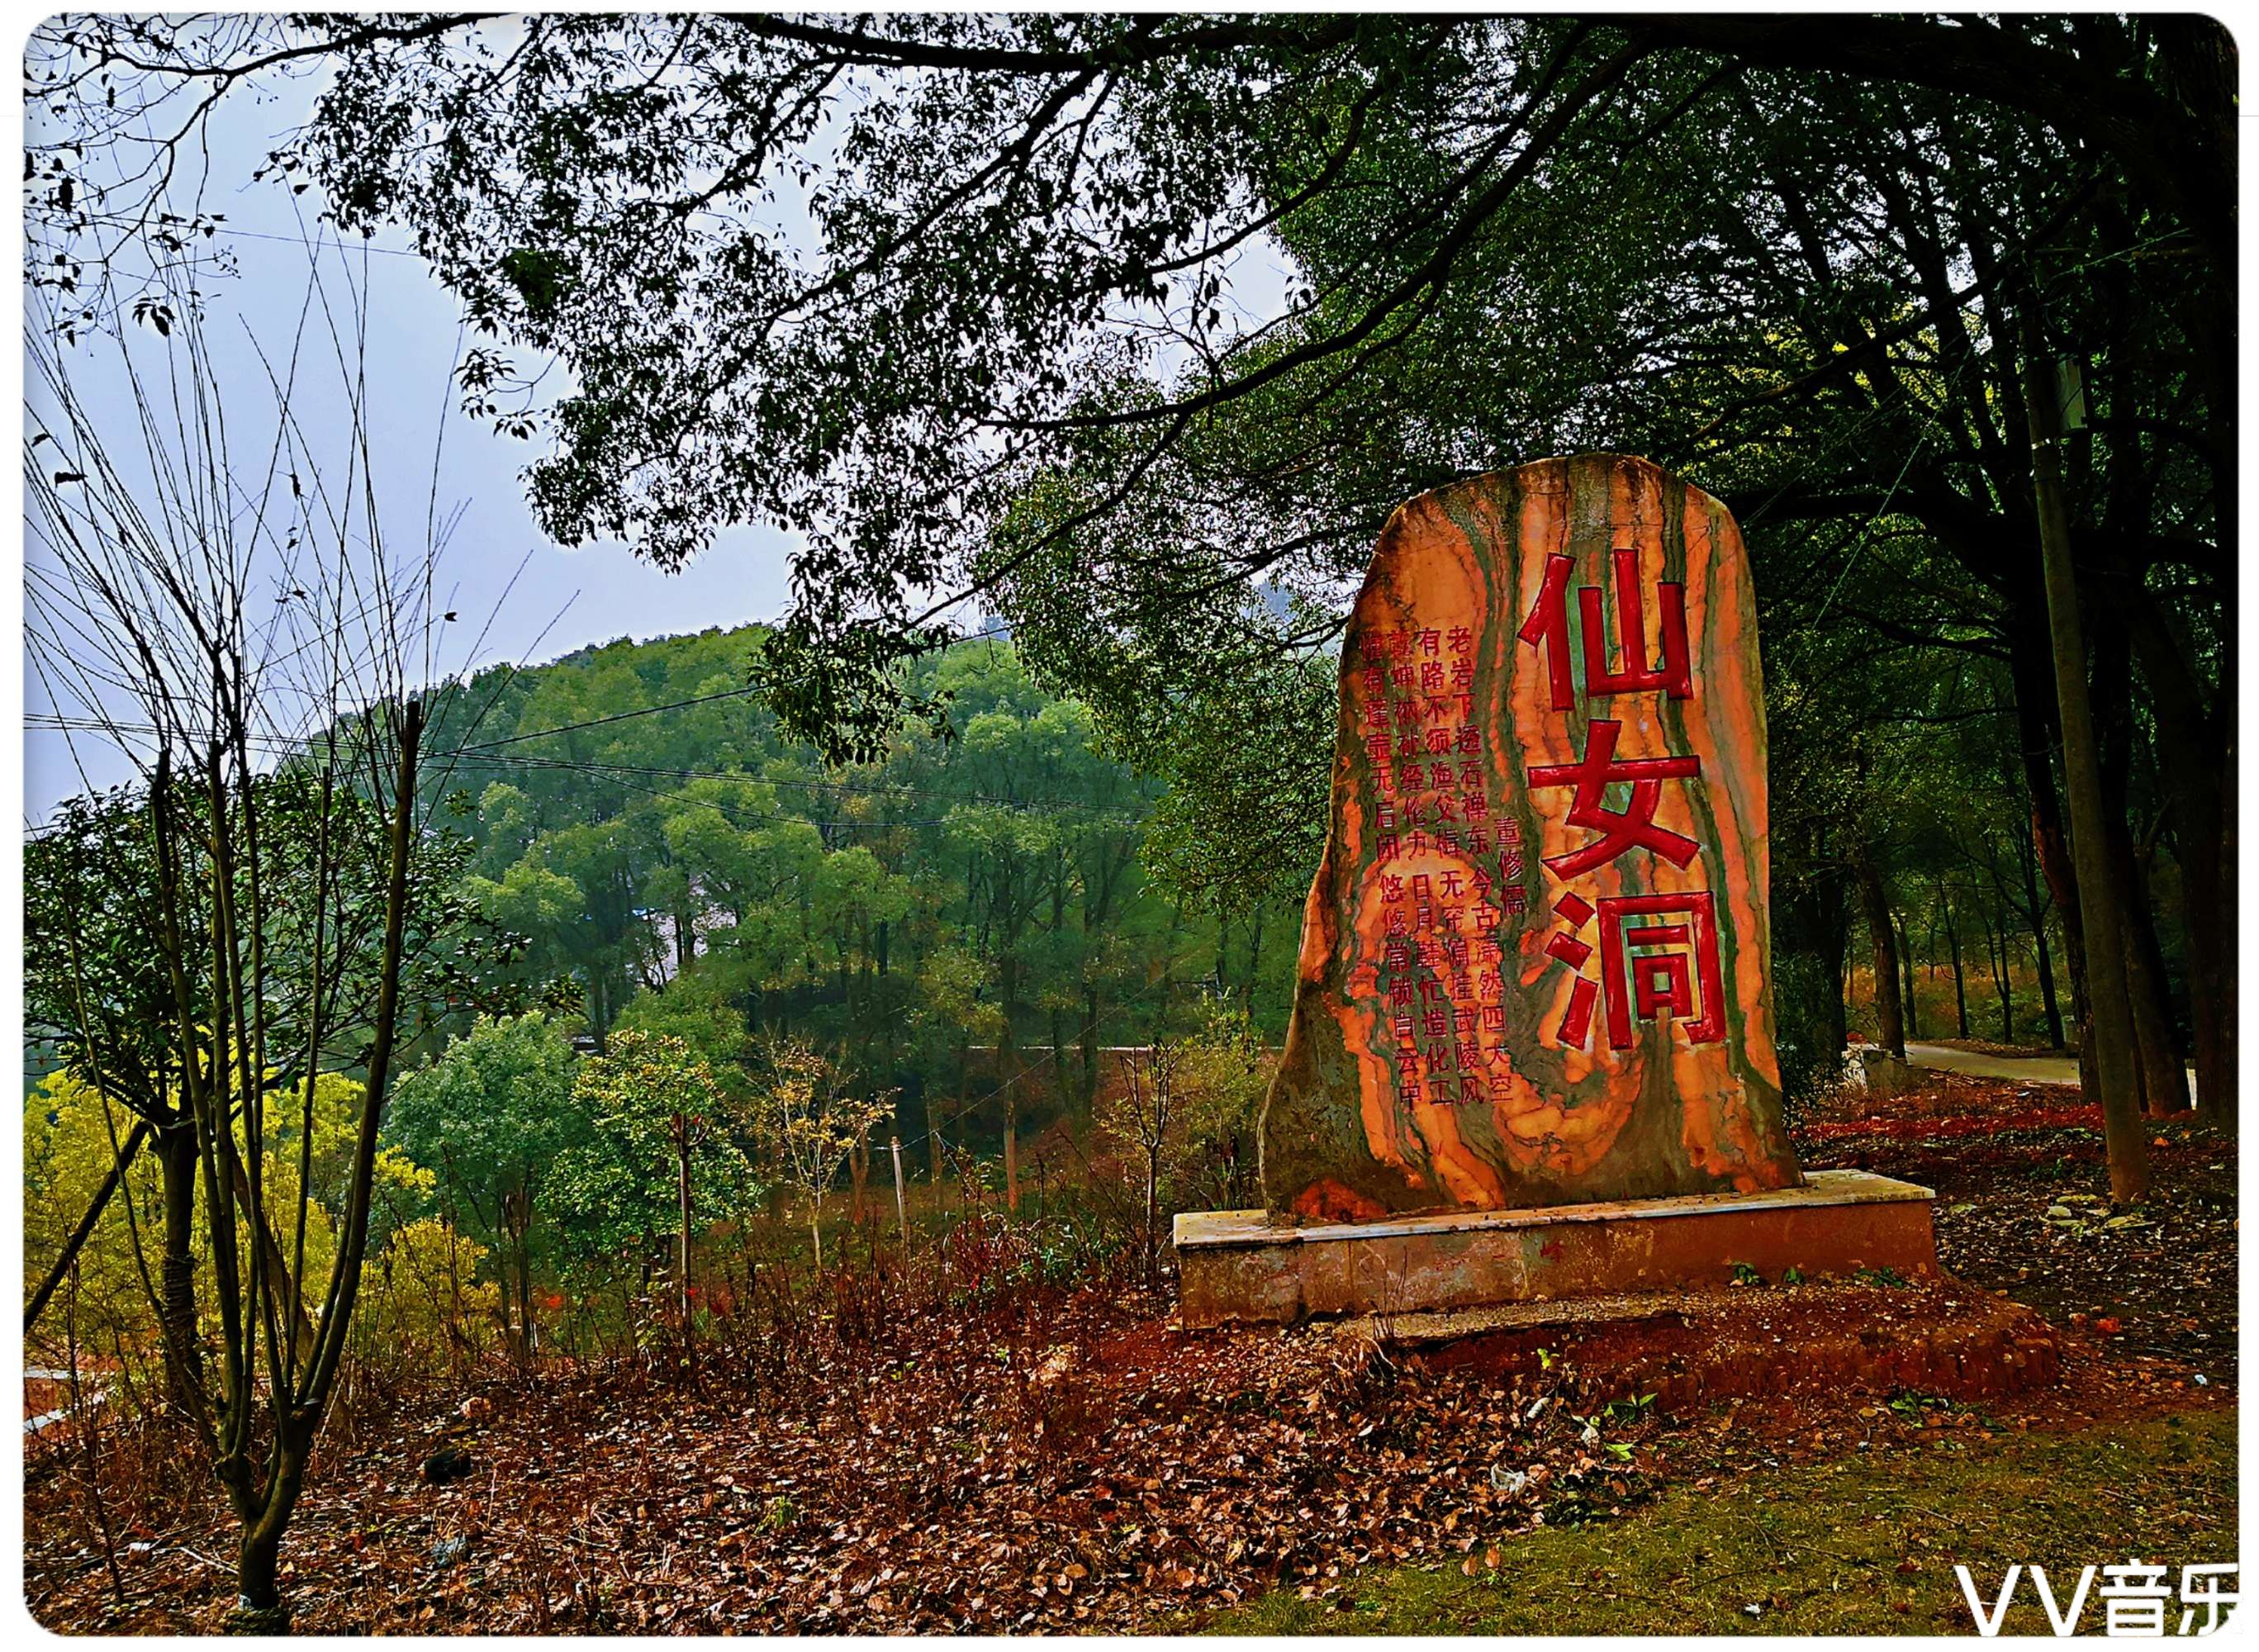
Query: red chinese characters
column 1536, row 955
column 1449, row 861
column 1658, row 953
column 1547, row 629
column 1660, row 979
column 1632, row 828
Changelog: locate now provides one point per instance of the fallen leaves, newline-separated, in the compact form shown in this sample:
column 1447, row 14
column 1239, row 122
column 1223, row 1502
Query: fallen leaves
column 1066, row 1461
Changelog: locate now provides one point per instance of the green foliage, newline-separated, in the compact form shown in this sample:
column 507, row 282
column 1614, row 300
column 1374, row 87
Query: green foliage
column 96, row 990
column 617, row 1188
column 1668, row 236
column 947, row 910
column 489, row 1118
column 700, row 1010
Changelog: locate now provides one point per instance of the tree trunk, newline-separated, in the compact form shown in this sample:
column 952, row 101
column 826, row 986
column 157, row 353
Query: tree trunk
column 2220, row 1105
column 176, row 1156
column 682, row 1264
column 1152, row 1217
column 1906, row 971
column 2027, row 859
column 1874, row 903
column 1254, row 959
column 2111, row 1019
column 527, row 1338
column 1060, row 1083
column 2163, row 1074
column 2195, row 761
column 2159, row 1075
column 2038, row 735
column 258, row 1608
column 1996, row 959
column 1089, row 1049
column 1960, row 988
column 1008, row 1075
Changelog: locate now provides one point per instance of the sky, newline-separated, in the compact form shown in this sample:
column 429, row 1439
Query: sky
column 605, row 591
column 502, row 563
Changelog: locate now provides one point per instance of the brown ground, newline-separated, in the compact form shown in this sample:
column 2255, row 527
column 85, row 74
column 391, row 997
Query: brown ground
column 1076, row 1464
column 1820, row 1341
column 2163, row 1284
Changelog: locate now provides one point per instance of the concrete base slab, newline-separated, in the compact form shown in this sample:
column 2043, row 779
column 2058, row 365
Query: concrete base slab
column 1239, row 1266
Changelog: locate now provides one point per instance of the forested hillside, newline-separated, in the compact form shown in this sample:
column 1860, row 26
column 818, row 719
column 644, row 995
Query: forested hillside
column 969, row 919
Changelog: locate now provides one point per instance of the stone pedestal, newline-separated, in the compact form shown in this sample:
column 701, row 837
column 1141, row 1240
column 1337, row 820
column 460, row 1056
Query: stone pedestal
column 1240, row 1266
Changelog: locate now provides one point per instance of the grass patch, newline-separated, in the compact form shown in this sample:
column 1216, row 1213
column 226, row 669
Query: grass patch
column 1865, row 1545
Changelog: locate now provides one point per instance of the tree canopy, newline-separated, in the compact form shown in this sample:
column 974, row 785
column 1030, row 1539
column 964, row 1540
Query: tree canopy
column 1132, row 329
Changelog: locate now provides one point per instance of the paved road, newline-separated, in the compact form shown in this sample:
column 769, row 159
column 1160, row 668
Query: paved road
column 2017, row 1069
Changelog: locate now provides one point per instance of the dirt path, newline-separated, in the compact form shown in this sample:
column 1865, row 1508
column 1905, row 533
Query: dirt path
column 2014, row 1069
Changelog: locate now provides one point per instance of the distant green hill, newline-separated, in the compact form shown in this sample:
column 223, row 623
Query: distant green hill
column 637, row 816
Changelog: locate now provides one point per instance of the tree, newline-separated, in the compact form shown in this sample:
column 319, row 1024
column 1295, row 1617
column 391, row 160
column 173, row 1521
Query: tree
column 1781, row 255
column 490, row 1117
column 100, row 997
column 1186, row 1120
column 1223, row 1080
column 702, row 1008
column 1145, row 1120
column 2112, row 1021
column 71, row 1139
column 532, row 901
column 93, row 989
column 282, row 904
column 659, row 1155
column 955, row 1012
column 809, row 1118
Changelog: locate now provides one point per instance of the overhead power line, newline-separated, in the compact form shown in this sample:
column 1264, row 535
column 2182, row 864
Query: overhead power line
column 676, row 705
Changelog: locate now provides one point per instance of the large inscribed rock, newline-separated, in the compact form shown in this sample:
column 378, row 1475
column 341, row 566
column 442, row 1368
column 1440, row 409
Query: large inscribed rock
column 1535, row 961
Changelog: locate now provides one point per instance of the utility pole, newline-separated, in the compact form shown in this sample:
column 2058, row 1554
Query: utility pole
column 901, row 1211
column 2107, row 1002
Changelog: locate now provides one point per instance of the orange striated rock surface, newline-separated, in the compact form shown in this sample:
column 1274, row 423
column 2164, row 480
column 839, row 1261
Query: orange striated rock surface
column 1535, row 960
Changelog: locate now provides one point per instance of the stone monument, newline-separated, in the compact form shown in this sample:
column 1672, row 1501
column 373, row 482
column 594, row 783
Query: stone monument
column 1531, row 1050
